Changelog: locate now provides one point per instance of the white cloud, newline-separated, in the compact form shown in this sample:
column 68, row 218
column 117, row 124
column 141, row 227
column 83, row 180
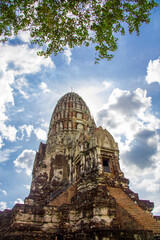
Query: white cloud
column 1, row 142
column 6, row 92
column 149, row 184
column 28, row 129
column 6, row 97
column 40, row 134
column 106, row 84
column 67, row 55
column 156, row 210
column 15, row 62
column 19, row 200
column 3, row 205
column 8, row 132
column 24, row 36
column 153, row 71
column 21, row 85
column 25, row 129
column 5, row 154
column 93, row 94
column 20, row 110
column 44, row 88
column 27, row 187
column 23, row 59
column 126, row 113
column 45, row 125
column 3, row 191
column 25, row 161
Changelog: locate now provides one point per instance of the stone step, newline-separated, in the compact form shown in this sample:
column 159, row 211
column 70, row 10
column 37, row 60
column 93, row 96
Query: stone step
column 143, row 218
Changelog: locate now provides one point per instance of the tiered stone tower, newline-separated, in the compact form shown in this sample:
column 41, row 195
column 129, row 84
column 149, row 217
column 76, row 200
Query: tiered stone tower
column 78, row 190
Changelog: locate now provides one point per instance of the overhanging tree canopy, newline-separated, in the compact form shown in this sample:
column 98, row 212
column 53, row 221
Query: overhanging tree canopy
column 60, row 23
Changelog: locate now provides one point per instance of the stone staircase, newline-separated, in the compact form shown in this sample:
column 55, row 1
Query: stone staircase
column 63, row 196
column 145, row 219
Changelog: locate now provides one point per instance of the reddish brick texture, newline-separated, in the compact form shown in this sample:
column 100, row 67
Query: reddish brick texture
column 137, row 217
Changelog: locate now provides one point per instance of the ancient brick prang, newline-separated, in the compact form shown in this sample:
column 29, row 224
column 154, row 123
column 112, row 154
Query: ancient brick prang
column 78, row 190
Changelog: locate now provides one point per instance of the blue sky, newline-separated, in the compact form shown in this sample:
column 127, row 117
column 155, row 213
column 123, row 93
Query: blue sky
column 123, row 96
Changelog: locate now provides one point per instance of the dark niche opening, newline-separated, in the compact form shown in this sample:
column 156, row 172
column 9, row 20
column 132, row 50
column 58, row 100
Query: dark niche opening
column 59, row 237
column 106, row 167
column 78, row 169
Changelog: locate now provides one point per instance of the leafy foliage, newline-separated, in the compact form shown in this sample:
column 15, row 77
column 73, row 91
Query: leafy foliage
column 60, row 23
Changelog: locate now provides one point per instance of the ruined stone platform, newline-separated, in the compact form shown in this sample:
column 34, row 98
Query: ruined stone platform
column 78, row 190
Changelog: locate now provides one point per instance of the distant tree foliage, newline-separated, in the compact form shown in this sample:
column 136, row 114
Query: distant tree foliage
column 56, row 24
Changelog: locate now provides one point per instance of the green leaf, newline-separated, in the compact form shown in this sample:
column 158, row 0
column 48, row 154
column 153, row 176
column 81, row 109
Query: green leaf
column 55, row 24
